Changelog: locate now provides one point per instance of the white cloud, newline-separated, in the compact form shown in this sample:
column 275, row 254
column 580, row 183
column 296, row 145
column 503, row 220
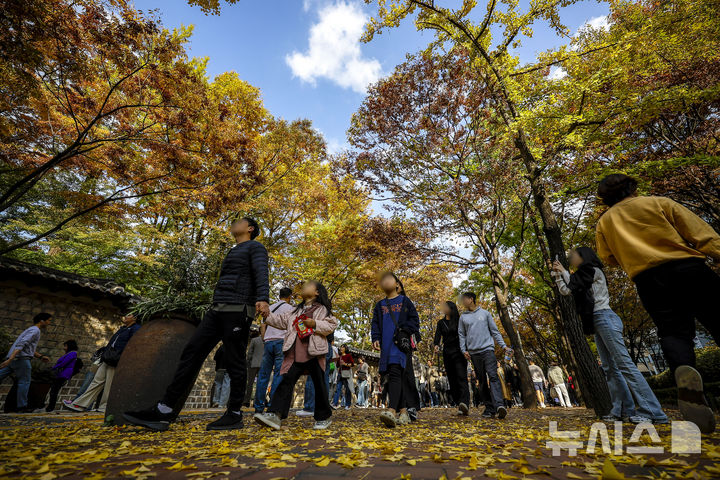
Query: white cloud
column 597, row 22
column 557, row 73
column 334, row 50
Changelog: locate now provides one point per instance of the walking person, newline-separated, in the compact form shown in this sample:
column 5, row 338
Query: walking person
column 344, row 382
column 109, row 357
column 305, row 349
column 65, row 367
column 557, row 380
column 241, row 290
column 362, row 382
column 456, row 365
column 255, row 354
column 395, row 326
column 272, row 352
column 17, row 360
column 221, row 393
column 478, row 335
column 394, row 330
column 539, row 382
column 589, row 289
column 309, row 397
column 663, row 246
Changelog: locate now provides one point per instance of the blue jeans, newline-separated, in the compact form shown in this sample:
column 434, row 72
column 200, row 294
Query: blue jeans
column 222, row 389
column 89, row 375
column 309, row 397
column 23, row 372
column 362, row 393
column 271, row 363
column 622, row 374
column 343, row 383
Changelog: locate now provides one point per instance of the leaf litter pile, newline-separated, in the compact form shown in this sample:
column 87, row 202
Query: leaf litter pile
column 440, row 446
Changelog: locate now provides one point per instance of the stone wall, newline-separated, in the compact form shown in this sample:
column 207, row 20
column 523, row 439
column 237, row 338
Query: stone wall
column 91, row 323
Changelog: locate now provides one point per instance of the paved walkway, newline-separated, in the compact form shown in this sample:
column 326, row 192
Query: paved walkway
column 440, row 446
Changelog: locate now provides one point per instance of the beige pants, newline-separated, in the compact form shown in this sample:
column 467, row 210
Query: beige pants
column 101, row 383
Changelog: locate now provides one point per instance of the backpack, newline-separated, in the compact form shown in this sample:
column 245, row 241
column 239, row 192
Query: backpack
column 77, row 367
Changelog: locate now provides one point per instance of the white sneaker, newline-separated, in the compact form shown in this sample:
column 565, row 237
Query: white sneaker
column 639, row 419
column 304, row 413
column 268, row 419
column 322, row 424
column 388, row 419
column 691, row 399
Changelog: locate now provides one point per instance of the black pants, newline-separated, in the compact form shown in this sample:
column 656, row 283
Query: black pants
column 402, row 392
column 485, row 363
column 233, row 328
column 280, row 402
column 456, row 368
column 675, row 294
column 251, row 376
column 55, row 387
column 411, row 394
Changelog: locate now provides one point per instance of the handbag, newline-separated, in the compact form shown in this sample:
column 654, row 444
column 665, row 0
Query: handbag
column 402, row 339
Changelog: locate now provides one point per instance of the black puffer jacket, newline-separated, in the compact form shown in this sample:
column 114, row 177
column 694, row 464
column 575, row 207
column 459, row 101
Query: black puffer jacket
column 244, row 275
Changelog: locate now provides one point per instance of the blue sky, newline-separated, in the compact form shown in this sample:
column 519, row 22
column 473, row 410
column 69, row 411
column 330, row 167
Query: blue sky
column 305, row 57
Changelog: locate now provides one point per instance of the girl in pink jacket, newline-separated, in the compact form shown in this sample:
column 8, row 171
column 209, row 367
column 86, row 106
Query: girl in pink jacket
column 305, row 348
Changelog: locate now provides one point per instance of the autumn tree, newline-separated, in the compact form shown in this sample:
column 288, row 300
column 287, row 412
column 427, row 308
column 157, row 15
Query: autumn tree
column 499, row 69
column 425, row 137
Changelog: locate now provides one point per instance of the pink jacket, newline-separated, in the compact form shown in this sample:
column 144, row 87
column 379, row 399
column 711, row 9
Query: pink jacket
column 324, row 326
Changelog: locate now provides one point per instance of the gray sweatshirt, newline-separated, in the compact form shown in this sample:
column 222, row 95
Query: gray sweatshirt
column 477, row 330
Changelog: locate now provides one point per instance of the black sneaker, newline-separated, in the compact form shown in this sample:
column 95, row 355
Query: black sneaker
column 151, row 418
column 501, row 412
column 487, row 414
column 229, row 421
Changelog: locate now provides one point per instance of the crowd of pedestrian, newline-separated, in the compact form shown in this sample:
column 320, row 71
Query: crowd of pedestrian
column 661, row 245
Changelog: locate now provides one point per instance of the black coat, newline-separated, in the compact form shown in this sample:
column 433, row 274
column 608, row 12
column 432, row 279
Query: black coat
column 448, row 336
column 244, row 275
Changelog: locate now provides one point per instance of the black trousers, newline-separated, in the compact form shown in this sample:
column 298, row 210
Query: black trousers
column 280, row 402
column 456, row 368
column 55, row 387
column 402, row 392
column 485, row 363
column 675, row 294
column 233, row 328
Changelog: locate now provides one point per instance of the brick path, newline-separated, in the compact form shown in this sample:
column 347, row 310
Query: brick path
column 440, row 445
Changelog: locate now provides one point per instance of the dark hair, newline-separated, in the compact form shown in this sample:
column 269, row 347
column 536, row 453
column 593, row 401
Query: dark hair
column 454, row 315
column 71, row 345
column 616, row 187
column 254, row 224
column 589, row 257
column 41, row 317
column 391, row 274
column 322, row 298
column 470, row 295
column 285, row 292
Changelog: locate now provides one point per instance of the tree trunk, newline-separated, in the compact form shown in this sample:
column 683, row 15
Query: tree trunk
column 589, row 374
column 526, row 386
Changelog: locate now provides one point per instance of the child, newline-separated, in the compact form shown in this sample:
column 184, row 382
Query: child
column 305, row 347
column 396, row 311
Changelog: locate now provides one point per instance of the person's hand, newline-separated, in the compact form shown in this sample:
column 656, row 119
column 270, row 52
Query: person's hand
column 45, row 359
column 263, row 308
column 437, row 348
column 467, row 355
column 5, row 363
column 309, row 322
column 558, row 267
column 376, row 345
